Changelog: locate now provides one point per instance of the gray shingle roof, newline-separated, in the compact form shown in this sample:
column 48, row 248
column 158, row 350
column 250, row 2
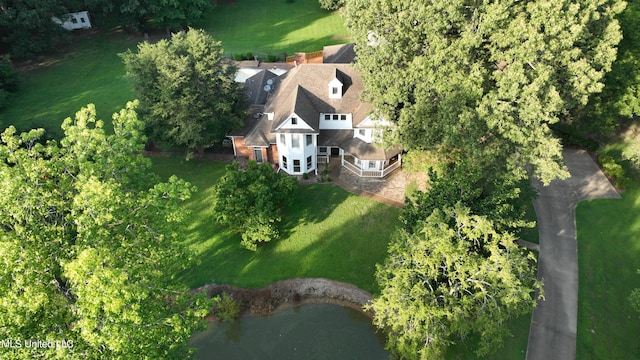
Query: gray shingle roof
column 339, row 54
column 314, row 79
column 366, row 151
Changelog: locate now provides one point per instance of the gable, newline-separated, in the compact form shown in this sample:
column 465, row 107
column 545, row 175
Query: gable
column 294, row 122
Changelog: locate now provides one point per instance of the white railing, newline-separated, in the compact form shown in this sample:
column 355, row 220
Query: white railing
column 354, row 169
column 370, row 173
column 323, row 159
column 390, row 168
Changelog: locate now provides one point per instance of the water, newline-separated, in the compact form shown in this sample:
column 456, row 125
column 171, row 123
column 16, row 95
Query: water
column 314, row 331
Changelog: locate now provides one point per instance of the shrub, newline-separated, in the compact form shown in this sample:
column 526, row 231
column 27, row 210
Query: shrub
column 251, row 201
column 331, row 4
column 228, row 309
column 615, row 171
column 9, row 76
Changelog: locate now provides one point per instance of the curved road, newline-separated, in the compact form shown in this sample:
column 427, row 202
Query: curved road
column 553, row 325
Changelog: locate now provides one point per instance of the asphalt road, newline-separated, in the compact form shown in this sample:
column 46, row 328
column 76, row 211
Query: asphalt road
column 553, row 325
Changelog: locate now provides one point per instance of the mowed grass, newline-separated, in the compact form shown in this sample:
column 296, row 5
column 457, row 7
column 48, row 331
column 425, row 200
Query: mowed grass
column 327, row 232
column 608, row 260
column 88, row 71
column 275, row 26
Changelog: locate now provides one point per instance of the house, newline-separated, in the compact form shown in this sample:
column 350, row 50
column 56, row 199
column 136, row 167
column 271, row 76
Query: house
column 302, row 118
column 75, row 21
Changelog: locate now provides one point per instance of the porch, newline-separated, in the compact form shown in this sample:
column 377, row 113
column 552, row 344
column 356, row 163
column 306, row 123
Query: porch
column 350, row 163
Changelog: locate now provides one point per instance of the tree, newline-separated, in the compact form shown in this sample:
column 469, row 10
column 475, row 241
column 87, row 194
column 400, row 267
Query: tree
column 331, row 4
column 188, row 96
column 621, row 94
column 464, row 74
column 9, row 78
column 457, row 275
column 251, row 201
column 141, row 15
column 90, row 246
column 486, row 190
column 27, row 28
column 634, row 298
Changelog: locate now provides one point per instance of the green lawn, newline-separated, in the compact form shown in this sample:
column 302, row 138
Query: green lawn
column 89, row 71
column 327, row 232
column 608, row 257
column 274, row 26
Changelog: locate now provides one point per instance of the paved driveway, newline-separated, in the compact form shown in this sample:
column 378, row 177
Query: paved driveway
column 553, row 325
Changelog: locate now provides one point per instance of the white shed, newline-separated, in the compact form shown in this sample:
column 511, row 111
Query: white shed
column 74, row 21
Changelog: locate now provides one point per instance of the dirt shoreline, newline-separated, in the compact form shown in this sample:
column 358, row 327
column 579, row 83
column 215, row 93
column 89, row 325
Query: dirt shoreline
column 285, row 294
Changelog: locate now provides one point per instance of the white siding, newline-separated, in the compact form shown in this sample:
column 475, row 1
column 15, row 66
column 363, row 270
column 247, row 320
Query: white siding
column 336, row 121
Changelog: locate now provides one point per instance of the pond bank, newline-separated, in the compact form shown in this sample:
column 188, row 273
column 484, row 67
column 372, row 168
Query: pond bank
column 292, row 292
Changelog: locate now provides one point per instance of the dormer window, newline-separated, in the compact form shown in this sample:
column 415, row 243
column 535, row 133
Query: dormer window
column 335, row 88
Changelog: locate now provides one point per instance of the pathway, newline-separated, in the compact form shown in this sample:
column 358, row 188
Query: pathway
column 554, row 322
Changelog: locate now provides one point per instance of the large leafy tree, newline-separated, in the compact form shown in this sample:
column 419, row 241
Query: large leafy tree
column 27, row 28
column 188, row 96
column 251, row 201
column 89, row 246
column 621, row 94
column 142, row 15
column 463, row 74
column 456, row 275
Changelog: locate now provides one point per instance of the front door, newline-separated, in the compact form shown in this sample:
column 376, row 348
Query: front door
column 257, row 154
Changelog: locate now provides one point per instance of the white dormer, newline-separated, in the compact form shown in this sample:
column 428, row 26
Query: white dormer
column 335, row 89
column 294, row 122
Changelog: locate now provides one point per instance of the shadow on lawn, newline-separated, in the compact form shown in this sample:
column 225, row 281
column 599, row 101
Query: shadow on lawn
column 343, row 247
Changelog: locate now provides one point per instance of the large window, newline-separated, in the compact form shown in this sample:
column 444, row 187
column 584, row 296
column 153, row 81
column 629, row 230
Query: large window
column 283, row 139
column 309, row 162
column 309, row 140
column 322, row 150
column 296, row 166
column 362, row 132
column 284, row 163
column 295, row 140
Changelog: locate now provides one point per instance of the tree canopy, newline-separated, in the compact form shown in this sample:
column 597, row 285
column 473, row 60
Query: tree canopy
column 142, row 15
column 251, row 201
column 27, row 28
column 90, row 246
column 456, row 275
column 464, row 74
column 188, row 96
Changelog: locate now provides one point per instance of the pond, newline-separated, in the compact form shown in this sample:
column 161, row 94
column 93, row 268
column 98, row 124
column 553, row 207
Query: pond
column 313, row 331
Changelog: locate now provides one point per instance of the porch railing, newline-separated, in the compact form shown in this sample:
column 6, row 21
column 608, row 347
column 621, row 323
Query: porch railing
column 370, row 173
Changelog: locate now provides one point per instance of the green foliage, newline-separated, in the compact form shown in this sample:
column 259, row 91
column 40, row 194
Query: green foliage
column 615, row 171
column 228, row 309
column 454, row 276
column 331, row 4
column 141, row 15
column 90, row 245
column 188, row 97
column 9, row 76
column 469, row 76
column 26, row 28
column 621, row 94
column 634, row 298
column 632, row 153
column 251, row 201
column 490, row 191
